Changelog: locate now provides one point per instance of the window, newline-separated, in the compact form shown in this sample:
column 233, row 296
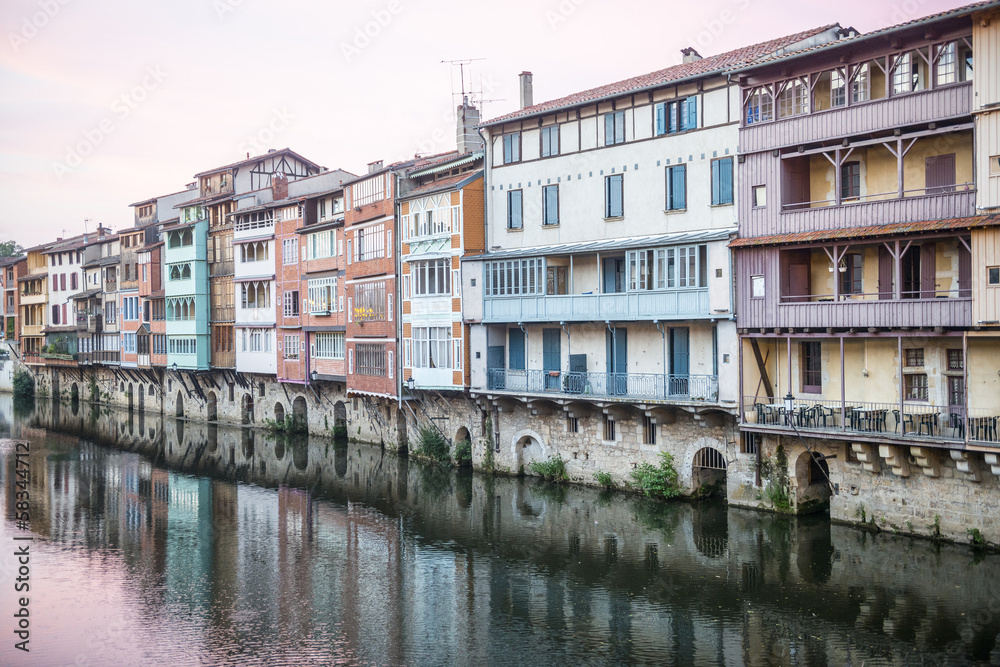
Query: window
column 128, row 343
column 572, row 424
column 667, row 268
column 613, row 194
column 838, row 89
column 550, row 141
column 860, row 83
column 955, row 360
column 512, row 147
column 291, row 349
column 759, row 196
column 648, row 431
column 851, row 279
column 370, row 358
column 609, row 428
column 515, row 277
column 290, row 251
column 677, row 116
column 614, row 128
column 256, row 340
column 320, row 245
column 812, row 368
column 73, row 280
column 291, row 306
column 370, row 301
column 906, row 74
column 370, row 243
column 323, row 295
column 914, row 357
column 255, row 294
column 254, row 252
column 432, row 347
column 431, row 277
column 182, row 345
column 368, row 191
column 794, row 99
column 550, row 205
column 330, row 345
column 915, row 386
column 514, row 210
column 850, row 180
column 676, row 187
column 722, row 181
column 993, row 275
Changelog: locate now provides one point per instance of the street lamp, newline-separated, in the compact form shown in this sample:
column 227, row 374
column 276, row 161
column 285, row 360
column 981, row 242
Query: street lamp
column 313, row 375
column 410, row 384
column 174, row 367
column 789, row 403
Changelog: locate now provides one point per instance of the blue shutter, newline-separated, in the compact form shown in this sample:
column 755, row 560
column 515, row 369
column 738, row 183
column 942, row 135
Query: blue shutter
column 609, row 129
column 619, row 127
column 716, row 189
column 726, row 169
column 515, row 349
column 661, row 119
column 679, row 186
column 692, row 110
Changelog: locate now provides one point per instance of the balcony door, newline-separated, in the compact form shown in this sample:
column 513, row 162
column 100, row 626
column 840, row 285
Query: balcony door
column 614, row 274
column 551, row 356
column 617, row 356
column 680, row 361
column 494, row 366
column 939, row 174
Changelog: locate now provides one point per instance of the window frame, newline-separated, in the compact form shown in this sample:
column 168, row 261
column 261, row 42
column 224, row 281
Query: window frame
column 615, row 121
column 670, row 201
column 547, row 216
column 810, row 353
column 718, row 191
column 511, row 147
column 545, row 139
column 519, row 208
column 609, row 212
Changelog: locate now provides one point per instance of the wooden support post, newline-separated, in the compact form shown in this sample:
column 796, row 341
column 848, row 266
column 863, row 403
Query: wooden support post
column 843, row 388
column 762, row 368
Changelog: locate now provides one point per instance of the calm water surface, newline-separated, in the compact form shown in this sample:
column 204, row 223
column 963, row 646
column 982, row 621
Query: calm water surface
column 169, row 542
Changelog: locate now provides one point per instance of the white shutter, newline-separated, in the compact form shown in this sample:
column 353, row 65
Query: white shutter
column 341, row 300
column 456, row 217
column 407, row 343
column 391, row 365
column 389, row 299
column 457, row 361
column 350, row 313
column 455, row 290
column 350, row 361
column 348, row 251
column 388, row 242
column 406, row 286
column 406, row 227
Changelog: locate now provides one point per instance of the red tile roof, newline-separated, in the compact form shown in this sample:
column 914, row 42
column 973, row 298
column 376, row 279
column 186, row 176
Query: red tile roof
column 442, row 184
column 257, row 158
column 874, row 231
column 705, row 66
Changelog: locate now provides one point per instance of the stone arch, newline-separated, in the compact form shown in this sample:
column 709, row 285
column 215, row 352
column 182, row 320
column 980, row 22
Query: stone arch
column 212, row 407
column 141, row 392
column 279, row 413
column 463, row 440
column 152, row 389
column 811, row 483
column 300, row 451
column 686, row 461
column 527, row 446
column 247, row 408
column 300, row 412
column 74, row 392
column 179, row 412
column 708, row 472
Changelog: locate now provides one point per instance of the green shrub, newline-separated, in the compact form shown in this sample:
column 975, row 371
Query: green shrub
column 24, row 384
column 554, row 469
column 288, row 425
column 657, row 481
column 463, row 452
column 605, row 479
column 433, row 445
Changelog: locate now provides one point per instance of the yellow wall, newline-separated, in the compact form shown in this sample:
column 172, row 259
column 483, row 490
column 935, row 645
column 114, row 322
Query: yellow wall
column 984, row 374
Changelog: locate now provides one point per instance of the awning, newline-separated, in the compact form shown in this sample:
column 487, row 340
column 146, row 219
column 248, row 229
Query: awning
column 605, row 245
column 873, row 231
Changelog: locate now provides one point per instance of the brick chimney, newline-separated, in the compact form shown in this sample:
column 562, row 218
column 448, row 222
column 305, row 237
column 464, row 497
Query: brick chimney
column 466, row 138
column 374, row 166
column 279, row 186
column 527, row 92
column 690, row 55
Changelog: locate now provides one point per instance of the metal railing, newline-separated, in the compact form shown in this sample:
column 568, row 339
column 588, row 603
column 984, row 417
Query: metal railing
column 612, row 385
column 935, row 422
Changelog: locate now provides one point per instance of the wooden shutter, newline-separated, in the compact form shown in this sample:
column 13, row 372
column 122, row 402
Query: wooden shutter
column 927, row 271
column 885, row 271
column 794, row 183
column 939, row 173
column 964, row 272
column 661, row 119
column 692, row 112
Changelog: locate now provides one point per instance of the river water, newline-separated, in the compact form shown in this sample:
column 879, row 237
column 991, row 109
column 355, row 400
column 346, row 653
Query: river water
column 170, row 542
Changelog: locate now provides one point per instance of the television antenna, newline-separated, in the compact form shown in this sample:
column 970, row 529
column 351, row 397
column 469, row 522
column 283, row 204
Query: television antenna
column 466, row 96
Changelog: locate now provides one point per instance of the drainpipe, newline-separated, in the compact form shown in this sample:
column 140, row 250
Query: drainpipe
column 663, row 336
column 614, row 347
column 486, row 197
column 569, row 348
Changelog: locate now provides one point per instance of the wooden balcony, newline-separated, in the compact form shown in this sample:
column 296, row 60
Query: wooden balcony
column 859, row 119
column 623, row 306
column 944, row 312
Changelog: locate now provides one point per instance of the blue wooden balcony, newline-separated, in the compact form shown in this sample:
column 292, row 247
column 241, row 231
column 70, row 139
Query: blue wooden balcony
column 620, row 386
column 623, row 306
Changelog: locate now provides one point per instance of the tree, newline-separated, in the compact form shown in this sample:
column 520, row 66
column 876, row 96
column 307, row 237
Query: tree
column 10, row 249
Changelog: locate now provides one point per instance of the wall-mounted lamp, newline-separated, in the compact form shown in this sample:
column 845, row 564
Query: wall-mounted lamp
column 410, row 384
column 174, row 367
column 313, row 375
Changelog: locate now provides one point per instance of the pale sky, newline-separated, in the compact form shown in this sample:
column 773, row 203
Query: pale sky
column 108, row 102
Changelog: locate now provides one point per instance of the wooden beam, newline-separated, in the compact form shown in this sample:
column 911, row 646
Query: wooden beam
column 768, row 389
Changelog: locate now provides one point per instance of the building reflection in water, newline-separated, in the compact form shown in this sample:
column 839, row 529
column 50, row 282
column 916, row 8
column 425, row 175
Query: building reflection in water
column 266, row 544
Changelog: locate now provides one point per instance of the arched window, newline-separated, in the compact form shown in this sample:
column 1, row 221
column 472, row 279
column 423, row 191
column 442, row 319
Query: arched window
column 186, row 271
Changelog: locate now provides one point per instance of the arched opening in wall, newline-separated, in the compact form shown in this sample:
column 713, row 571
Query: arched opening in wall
column 812, row 482
column 299, row 411
column 300, row 451
column 528, row 450
column 463, row 447
column 130, row 394
column 247, row 408
column 340, row 461
column 180, row 405
column 152, row 390
column 74, row 393
column 247, row 443
column 708, row 473
column 279, row 447
column 212, row 407
column 142, row 398
column 402, row 443
column 339, row 422
column 179, row 432
column 279, row 413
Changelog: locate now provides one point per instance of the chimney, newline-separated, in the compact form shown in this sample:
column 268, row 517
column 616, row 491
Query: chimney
column 467, row 139
column 279, row 186
column 527, row 96
column 374, row 166
column 690, row 55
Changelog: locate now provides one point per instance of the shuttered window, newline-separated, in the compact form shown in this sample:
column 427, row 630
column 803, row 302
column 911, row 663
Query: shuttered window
column 722, row 181
column 676, row 187
column 613, row 195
